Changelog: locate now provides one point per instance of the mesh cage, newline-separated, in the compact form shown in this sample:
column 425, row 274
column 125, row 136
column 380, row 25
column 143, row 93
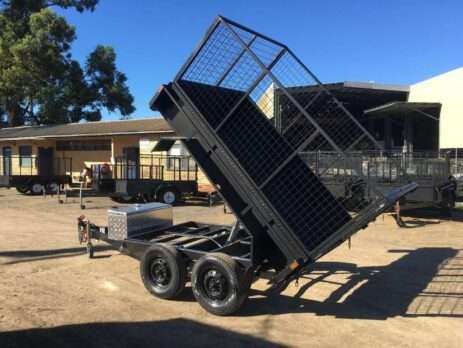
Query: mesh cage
column 267, row 108
column 359, row 177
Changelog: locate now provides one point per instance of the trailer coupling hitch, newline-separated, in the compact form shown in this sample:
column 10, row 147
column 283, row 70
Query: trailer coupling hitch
column 82, row 229
column 84, row 234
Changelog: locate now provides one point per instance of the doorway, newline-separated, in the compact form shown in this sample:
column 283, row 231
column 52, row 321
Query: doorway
column 7, row 165
column 132, row 161
column 45, row 161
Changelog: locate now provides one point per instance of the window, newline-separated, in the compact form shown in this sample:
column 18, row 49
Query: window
column 25, row 156
column 183, row 160
column 84, row 145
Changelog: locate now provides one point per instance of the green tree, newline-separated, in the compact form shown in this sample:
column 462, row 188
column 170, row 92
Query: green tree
column 40, row 83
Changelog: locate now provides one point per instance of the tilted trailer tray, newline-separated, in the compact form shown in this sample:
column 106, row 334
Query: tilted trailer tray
column 221, row 104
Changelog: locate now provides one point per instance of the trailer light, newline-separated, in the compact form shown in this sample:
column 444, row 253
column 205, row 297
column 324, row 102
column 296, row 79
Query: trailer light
column 293, row 265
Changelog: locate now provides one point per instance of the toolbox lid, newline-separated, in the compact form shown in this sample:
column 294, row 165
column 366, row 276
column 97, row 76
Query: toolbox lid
column 138, row 208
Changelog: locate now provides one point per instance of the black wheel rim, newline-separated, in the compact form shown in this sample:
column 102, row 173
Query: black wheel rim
column 160, row 273
column 215, row 285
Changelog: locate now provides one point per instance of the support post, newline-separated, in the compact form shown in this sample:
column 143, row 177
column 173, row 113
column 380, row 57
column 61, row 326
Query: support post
column 81, row 195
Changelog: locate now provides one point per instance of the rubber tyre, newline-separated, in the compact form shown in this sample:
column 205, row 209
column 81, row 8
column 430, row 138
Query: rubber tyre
column 168, row 196
column 90, row 251
column 123, row 200
column 23, row 189
column 33, row 188
column 176, row 266
column 52, row 188
column 237, row 283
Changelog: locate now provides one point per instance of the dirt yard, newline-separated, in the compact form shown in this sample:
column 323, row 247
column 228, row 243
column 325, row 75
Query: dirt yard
column 393, row 288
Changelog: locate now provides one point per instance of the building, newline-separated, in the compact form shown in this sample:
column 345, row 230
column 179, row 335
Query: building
column 75, row 146
column 424, row 117
column 396, row 122
column 445, row 89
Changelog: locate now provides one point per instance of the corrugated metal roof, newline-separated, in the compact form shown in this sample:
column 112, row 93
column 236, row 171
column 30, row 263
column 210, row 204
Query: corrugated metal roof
column 376, row 86
column 101, row 128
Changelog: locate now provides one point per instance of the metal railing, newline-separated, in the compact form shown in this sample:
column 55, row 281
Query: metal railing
column 149, row 167
column 377, row 166
column 456, row 160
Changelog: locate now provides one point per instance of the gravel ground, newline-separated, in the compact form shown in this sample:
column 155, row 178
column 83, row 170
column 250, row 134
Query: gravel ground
column 394, row 287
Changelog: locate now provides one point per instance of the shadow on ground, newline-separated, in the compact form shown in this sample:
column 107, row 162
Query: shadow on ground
column 423, row 282
column 21, row 256
column 432, row 213
column 413, row 222
column 169, row 333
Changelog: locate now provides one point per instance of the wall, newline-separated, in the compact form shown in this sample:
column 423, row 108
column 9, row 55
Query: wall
column 120, row 142
column 446, row 89
column 81, row 159
column 147, row 144
column 16, row 169
column 266, row 102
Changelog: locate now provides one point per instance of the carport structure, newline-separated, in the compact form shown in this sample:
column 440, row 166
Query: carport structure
column 408, row 126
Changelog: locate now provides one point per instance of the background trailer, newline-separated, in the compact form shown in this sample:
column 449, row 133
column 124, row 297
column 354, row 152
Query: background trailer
column 154, row 177
column 407, row 134
column 33, row 156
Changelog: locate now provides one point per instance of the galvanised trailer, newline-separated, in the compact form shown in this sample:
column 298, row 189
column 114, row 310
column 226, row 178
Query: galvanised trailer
column 150, row 178
column 355, row 178
column 35, row 174
column 221, row 104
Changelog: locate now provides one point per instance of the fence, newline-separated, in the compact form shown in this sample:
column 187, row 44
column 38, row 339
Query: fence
column 456, row 159
column 150, row 167
column 377, row 167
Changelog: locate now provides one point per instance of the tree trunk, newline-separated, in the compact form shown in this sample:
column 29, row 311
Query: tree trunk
column 14, row 113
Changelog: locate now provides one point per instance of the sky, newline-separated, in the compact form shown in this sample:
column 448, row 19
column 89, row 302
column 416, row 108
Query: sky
column 385, row 41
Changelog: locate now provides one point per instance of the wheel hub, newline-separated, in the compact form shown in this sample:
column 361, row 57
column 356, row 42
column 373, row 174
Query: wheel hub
column 53, row 187
column 160, row 273
column 169, row 197
column 215, row 285
column 37, row 188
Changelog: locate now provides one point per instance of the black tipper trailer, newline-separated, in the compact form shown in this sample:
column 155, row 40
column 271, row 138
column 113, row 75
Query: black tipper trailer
column 220, row 105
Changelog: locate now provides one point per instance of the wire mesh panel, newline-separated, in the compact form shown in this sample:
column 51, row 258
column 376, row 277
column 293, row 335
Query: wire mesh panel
column 306, row 205
column 261, row 106
column 235, row 64
column 254, row 142
column 359, row 178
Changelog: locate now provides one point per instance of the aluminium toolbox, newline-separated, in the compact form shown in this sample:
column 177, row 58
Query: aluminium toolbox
column 126, row 222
